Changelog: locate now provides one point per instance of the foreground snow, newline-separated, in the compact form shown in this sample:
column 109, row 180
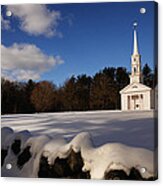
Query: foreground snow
column 97, row 161
column 53, row 137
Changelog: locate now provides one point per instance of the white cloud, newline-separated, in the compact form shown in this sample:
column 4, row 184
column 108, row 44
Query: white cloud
column 26, row 61
column 5, row 24
column 36, row 19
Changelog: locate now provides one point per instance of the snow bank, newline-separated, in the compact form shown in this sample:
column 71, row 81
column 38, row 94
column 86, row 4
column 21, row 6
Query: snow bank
column 44, row 156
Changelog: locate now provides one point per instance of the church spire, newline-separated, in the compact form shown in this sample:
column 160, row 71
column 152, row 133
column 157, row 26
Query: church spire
column 135, row 52
column 135, row 60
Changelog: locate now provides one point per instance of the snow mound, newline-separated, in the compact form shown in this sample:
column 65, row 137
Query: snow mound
column 46, row 156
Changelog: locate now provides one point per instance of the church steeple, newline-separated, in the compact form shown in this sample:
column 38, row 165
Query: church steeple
column 135, row 52
column 135, row 76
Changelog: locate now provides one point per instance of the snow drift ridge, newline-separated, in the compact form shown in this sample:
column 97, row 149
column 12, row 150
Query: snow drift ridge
column 44, row 156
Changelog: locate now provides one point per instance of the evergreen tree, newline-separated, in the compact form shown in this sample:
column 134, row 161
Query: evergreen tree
column 122, row 80
column 29, row 87
column 103, row 90
column 148, row 77
column 122, row 77
column 82, row 93
column 69, row 94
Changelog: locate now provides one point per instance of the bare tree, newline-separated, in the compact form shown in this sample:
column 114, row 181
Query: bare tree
column 42, row 96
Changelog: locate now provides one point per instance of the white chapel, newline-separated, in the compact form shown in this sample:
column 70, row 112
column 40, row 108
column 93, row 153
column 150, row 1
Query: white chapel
column 136, row 95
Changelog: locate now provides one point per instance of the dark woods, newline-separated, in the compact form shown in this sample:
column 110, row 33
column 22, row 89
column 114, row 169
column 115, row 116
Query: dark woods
column 79, row 93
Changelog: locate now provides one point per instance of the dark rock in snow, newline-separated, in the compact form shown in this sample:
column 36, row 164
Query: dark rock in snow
column 70, row 167
column 121, row 175
column 3, row 155
column 16, row 146
column 24, row 157
column 116, row 175
column 135, row 175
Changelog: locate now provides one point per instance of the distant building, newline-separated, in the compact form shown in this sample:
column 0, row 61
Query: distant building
column 136, row 95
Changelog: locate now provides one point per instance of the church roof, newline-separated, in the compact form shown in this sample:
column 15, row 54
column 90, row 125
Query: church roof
column 135, row 87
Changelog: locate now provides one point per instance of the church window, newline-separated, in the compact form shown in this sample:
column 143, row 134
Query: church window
column 134, row 70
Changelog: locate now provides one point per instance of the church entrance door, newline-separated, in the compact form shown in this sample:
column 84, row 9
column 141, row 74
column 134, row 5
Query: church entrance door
column 136, row 103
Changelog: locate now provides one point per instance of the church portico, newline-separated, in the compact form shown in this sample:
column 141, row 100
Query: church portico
column 136, row 97
column 136, row 102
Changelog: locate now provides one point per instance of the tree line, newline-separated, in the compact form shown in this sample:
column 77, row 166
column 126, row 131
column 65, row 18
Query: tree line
column 81, row 93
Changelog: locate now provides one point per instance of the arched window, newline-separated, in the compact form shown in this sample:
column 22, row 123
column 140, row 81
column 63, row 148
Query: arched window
column 134, row 70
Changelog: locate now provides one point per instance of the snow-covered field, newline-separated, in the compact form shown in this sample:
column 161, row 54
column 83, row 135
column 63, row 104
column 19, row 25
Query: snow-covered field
column 105, row 140
column 130, row 128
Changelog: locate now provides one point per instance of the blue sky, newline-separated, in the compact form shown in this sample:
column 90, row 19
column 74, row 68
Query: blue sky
column 86, row 37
